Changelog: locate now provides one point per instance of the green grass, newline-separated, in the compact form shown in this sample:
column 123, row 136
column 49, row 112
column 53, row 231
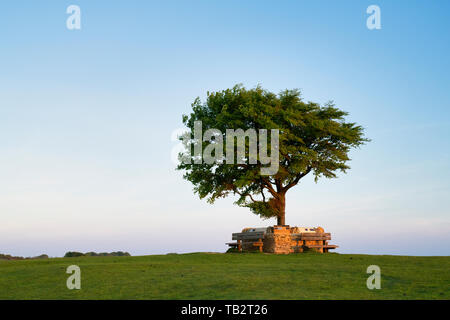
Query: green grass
column 228, row 276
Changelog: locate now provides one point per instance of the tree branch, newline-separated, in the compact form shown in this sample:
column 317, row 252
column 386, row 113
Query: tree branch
column 297, row 179
column 269, row 187
column 262, row 190
column 244, row 195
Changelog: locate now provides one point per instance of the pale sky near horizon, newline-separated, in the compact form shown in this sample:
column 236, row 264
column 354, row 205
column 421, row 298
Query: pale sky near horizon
column 86, row 118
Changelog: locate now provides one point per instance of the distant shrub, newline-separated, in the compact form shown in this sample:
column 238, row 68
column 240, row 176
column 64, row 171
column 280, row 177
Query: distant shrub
column 42, row 256
column 91, row 254
column 10, row 257
column 72, row 254
column 120, row 254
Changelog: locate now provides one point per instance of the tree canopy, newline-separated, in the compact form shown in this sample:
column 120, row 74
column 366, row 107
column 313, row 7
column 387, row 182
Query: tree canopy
column 313, row 139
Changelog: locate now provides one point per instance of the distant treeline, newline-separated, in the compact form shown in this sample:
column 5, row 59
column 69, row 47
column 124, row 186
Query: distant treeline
column 71, row 254
column 10, row 257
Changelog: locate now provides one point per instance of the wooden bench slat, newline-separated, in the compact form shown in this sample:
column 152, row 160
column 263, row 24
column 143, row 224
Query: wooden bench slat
column 248, row 235
column 311, row 237
column 311, row 234
column 325, row 246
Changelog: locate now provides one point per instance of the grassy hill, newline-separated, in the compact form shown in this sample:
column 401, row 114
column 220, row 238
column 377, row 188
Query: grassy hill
column 228, row 276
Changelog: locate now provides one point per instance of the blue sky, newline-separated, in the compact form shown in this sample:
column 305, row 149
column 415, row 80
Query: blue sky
column 86, row 118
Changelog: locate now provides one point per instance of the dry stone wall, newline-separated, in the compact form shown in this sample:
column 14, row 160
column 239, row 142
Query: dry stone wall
column 285, row 240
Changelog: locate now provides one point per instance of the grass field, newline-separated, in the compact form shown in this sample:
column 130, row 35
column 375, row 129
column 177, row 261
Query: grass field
column 228, row 276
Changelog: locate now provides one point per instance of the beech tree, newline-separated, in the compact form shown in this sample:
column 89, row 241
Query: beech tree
column 313, row 139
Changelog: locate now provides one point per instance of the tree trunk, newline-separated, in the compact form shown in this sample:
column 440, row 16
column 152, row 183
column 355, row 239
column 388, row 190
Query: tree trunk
column 281, row 206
